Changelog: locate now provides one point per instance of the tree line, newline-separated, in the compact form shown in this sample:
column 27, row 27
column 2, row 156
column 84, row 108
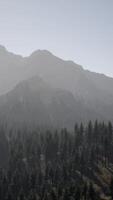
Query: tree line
column 58, row 164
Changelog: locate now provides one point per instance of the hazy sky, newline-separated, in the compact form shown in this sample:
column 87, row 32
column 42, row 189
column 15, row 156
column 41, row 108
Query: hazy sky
column 79, row 30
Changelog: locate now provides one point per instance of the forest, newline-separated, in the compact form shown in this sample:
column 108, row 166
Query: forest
column 59, row 164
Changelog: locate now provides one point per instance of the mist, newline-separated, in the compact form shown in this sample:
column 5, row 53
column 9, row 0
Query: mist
column 56, row 100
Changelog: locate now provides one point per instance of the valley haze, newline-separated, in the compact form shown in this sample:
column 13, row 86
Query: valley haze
column 45, row 90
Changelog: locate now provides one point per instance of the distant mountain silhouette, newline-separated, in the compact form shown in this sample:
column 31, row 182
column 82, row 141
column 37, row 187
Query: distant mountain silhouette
column 45, row 89
column 35, row 103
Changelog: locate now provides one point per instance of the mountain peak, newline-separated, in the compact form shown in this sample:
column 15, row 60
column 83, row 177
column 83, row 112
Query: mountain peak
column 41, row 52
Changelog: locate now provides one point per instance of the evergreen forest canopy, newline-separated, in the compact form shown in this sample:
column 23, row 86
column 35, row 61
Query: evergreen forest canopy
column 57, row 165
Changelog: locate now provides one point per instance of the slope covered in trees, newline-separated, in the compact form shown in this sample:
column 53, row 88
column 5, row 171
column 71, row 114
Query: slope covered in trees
column 59, row 165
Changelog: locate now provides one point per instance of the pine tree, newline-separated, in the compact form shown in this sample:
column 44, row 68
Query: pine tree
column 78, row 194
column 85, row 190
column 92, row 194
column 111, row 188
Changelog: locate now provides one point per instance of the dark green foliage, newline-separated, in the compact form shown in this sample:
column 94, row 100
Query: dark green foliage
column 57, row 165
column 3, row 148
column 111, row 189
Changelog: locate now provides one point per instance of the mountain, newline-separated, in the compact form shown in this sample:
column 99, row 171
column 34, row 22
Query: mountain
column 44, row 89
column 11, row 70
column 14, row 68
column 35, row 103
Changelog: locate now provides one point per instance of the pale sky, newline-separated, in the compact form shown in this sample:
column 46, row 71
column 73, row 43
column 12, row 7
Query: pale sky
column 78, row 30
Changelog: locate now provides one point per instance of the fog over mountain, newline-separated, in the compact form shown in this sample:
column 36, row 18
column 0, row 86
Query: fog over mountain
column 46, row 90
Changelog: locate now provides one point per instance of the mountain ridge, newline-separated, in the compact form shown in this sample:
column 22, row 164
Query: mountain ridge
column 90, row 93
